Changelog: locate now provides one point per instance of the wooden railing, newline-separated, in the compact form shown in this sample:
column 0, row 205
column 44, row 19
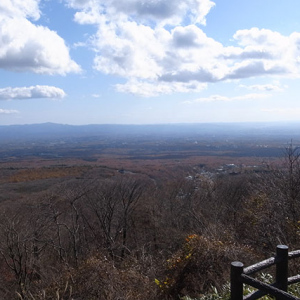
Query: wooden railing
column 240, row 276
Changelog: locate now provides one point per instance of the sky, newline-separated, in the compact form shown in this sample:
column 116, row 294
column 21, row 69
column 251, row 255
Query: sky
column 149, row 61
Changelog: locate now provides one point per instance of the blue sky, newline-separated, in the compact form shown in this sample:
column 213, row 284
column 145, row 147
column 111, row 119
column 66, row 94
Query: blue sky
column 149, row 61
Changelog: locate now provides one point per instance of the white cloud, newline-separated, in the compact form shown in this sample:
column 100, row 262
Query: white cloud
column 161, row 12
column 96, row 95
column 20, row 8
column 165, row 11
column 152, row 89
column 262, row 38
column 264, row 87
column 25, row 46
column 133, row 53
column 8, row 111
column 145, row 54
column 217, row 98
column 132, row 41
column 38, row 91
column 160, row 44
column 263, row 52
column 255, row 68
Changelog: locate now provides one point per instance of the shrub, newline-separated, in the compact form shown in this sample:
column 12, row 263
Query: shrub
column 200, row 264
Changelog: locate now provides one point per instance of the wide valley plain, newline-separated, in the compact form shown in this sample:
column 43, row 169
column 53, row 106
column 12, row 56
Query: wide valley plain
column 35, row 157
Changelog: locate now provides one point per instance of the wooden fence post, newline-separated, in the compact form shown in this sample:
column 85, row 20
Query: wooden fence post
column 282, row 268
column 236, row 284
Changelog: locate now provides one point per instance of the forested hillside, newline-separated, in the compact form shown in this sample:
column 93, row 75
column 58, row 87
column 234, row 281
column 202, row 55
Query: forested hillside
column 91, row 233
column 141, row 212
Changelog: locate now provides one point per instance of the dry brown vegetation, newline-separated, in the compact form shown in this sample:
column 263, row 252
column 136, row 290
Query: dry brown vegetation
column 118, row 228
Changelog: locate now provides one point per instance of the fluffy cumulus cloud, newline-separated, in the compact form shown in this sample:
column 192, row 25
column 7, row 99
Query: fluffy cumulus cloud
column 160, row 46
column 263, row 52
column 147, row 43
column 38, row 91
column 25, row 46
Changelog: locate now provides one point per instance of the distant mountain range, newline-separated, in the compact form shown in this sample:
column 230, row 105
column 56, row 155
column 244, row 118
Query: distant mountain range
column 50, row 131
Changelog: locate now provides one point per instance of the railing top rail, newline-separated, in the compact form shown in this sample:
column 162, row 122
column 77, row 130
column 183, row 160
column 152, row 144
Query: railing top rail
column 293, row 279
column 260, row 266
column 294, row 254
column 268, row 263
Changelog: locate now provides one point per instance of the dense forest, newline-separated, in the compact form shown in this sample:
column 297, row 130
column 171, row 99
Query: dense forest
column 95, row 235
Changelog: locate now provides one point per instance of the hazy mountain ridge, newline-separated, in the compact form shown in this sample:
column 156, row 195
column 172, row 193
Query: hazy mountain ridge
column 46, row 131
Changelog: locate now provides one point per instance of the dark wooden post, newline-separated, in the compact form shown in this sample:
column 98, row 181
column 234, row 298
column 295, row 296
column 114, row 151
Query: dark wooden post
column 282, row 268
column 236, row 284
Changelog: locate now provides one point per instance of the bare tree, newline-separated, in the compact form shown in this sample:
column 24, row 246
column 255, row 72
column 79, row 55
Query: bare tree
column 103, row 224
column 278, row 193
column 22, row 242
column 112, row 203
column 129, row 192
